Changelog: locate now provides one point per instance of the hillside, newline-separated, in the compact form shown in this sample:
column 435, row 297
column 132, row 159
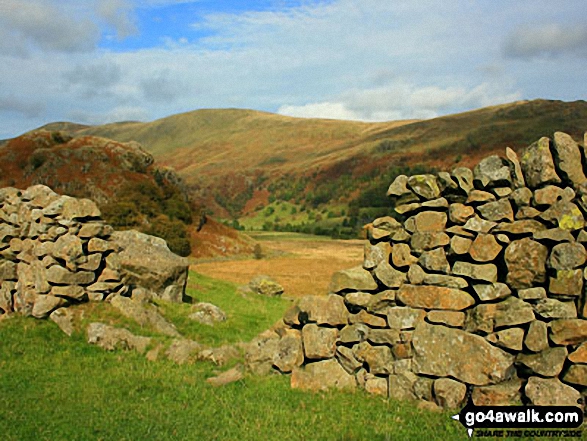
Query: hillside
column 238, row 162
column 130, row 188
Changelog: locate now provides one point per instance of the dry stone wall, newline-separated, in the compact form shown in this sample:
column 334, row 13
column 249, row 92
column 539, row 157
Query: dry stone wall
column 56, row 251
column 473, row 289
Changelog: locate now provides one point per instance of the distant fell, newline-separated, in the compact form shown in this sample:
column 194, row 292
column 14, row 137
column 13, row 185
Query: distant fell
column 235, row 160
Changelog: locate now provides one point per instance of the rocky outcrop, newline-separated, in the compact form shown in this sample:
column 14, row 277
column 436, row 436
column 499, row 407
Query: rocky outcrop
column 475, row 287
column 56, row 251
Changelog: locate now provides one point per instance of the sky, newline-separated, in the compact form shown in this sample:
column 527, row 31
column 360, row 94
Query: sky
column 100, row 61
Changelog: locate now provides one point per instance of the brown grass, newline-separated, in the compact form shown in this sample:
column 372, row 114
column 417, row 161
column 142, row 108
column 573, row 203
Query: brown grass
column 302, row 267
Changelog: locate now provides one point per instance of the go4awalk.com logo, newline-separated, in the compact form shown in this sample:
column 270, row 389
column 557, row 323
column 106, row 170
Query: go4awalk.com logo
column 521, row 421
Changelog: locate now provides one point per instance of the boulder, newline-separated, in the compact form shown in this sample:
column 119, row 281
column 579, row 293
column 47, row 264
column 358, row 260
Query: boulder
column 266, row 286
column 144, row 315
column 207, row 314
column 444, row 352
column 182, row 351
column 147, row 262
column 230, row 376
column 111, row 338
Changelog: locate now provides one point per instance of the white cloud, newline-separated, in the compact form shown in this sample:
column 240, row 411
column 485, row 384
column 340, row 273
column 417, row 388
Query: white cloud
column 42, row 24
column 119, row 15
column 367, row 60
column 550, row 39
column 402, row 101
column 114, row 115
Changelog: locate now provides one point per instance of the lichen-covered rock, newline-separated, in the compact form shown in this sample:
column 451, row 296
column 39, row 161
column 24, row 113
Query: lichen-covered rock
column 329, row 310
column 503, row 394
column 526, row 263
column 110, row 338
column 319, row 342
column 444, row 352
column 566, row 283
column 144, row 315
column 379, row 359
column 568, row 331
column 555, row 309
column 565, row 215
column 322, row 375
column 568, row 159
column 497, row 211
column 290, row 352
column 389, row 276
column 547, row 363
column 538, row 165
column 424, row 186
column 449, row 393
column 207, row 313
column 355, row 279
column 434, row 297
column 577, row 374
column 146, row 261
column 265, row 286
column 510, row 338
column 537, row 336
column 483, row 272
column 485, row 248
column 455, row 319
column 491, row 291
column 551, row 392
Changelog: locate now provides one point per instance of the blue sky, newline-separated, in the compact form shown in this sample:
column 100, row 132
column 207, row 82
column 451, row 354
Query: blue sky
column 97, row 61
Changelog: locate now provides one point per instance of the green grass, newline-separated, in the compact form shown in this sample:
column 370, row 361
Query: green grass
column 57, row 388
column 247, row 316
column 54, row 387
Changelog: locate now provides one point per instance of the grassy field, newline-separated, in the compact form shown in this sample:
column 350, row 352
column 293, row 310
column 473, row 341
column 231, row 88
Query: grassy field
column 54, row 387
column 303, row 264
